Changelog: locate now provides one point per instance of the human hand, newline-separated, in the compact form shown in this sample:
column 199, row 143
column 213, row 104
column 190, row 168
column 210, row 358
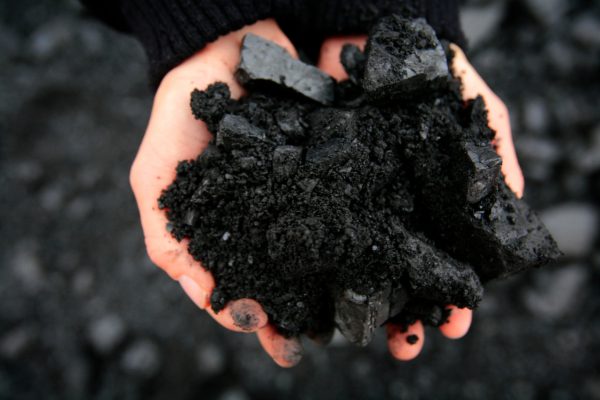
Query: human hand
column 498, row 118
column 173, row 135
column 473, row 85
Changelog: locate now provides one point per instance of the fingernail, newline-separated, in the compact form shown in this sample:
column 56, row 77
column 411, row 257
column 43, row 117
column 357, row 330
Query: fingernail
column 248, row 315
column 194, row 292
column 286, row 352
column 292, row 352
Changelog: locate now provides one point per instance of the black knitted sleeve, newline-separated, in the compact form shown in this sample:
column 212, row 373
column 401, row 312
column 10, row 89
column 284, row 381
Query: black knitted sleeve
column 172, row 30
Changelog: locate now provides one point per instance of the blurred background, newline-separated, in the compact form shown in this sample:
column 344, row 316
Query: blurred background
column 84, row 314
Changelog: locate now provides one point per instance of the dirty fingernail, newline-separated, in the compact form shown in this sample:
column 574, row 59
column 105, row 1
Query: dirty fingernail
column 194, row 292
column 286, row 352
column 248, row 315
column 292, row 353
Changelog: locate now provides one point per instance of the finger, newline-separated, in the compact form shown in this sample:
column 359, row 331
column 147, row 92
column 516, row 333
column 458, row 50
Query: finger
column 243, row 315
column 267, row 29
column 195, row 292
column 405, row 343
column 458, row 324
column 498, row 118
column 286, row 352
column 329, row 58
column 172, row 135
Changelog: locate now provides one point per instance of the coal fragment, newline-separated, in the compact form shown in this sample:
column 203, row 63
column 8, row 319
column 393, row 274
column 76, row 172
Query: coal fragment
column 210, row 154
column 434, row 275
column 403, row 57
column 357, row 315
column 324, row 156
column 308, row 185
column 264, row 62
column 353, row 61
column 191, row 217
column 501, row 242
column 515, row 238
column 333, row 122
column 236, row 131
column 398, row 299
column 285, row 161
column 210, row 105
column 291, row 124
column 481, row 172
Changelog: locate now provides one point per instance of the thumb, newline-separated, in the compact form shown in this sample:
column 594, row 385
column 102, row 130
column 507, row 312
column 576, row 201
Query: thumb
column 329, row 57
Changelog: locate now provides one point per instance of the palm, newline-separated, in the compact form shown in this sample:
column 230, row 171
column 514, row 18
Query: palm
column 174, row 135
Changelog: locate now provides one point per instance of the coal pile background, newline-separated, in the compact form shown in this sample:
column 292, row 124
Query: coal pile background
column 83, row 313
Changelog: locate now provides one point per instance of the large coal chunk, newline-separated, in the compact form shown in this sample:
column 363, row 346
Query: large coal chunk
column 482, row 167
column 236, row 131
column 357, row 315
column 264, row 62
column 500, row 235
column 353, row 61
column 291, row 123
column 434, row 275
column 403, row 57
column 333, row 151
column 510, row 239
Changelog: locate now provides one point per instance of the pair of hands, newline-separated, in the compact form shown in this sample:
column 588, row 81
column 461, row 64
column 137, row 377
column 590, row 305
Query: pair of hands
column 173, row 135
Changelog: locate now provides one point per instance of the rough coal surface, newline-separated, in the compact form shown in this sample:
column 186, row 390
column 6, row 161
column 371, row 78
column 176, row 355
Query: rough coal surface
column 264, row 63
column 404, row 57
column 356, row 212
column 412, row 339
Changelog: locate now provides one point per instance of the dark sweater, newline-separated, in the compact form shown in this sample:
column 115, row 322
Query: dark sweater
column 173, row 30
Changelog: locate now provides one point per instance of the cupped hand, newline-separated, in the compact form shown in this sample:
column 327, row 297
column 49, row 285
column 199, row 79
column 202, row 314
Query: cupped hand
column 406, row 343
column 173, row 135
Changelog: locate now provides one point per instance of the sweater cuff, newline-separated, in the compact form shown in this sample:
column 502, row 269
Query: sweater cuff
column 357, row 16
column 173, row 30
column 443, row 16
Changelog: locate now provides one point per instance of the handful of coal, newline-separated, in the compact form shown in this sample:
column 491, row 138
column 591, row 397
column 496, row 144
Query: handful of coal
column 351, row 204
